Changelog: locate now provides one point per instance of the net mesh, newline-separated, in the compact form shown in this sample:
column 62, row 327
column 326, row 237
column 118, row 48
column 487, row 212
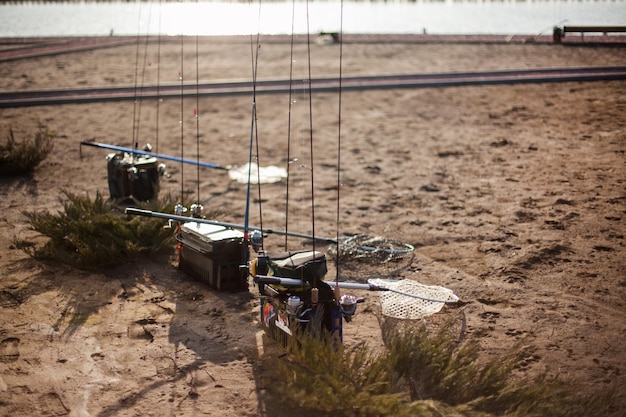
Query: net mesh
column 408, row 299
column 373, row 248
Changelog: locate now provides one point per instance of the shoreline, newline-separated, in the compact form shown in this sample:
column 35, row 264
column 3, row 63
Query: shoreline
column 26, row 47
column 355, row 37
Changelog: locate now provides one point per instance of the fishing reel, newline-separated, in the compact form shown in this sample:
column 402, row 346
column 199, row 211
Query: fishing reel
column 259, row 265
column 196, row 211
column 256, row 240
column 179, row 209
column 347, row 304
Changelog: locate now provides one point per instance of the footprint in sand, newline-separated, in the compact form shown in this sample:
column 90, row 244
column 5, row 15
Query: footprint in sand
column 165, row 367
column 9, row 349
column 53, row 404
column 137, row 330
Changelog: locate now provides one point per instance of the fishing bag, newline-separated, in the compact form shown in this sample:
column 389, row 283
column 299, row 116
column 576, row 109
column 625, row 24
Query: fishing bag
column 306, row 265
column 285, row 309
column 133, row 176
column 282, row 320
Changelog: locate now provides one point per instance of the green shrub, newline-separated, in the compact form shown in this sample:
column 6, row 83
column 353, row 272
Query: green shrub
column 431, row 364
column 325, row 378
column 22, row 157
column 91, row 233
column 422, row 372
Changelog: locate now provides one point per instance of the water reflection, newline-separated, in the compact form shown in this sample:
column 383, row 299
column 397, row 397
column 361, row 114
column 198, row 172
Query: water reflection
column 101, row 18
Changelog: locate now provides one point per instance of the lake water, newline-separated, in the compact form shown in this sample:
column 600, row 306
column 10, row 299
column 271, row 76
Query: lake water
column 499, row 17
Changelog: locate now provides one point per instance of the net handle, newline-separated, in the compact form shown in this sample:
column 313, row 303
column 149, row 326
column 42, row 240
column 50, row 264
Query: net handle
column 263, row 279
column 452, row 298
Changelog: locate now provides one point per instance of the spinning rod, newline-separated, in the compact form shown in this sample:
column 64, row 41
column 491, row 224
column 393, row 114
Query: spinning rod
column 269, row 174
column 406, row 249
column 156, row 155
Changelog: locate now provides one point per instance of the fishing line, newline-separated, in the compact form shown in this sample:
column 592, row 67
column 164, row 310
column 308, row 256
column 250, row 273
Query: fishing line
column 182, row 97
column 311, row 158
column 339, row 139
column 293, row 13
column 254, row 62
column 158, row 93
column 197, row 115
column 134, row 143
column 256, row 136
column 143, row 75
column 258, row 171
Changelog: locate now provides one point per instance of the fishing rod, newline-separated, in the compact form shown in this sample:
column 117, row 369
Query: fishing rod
column 156, row 155
column 184, row 219
column 405, row 249
column 288, row 282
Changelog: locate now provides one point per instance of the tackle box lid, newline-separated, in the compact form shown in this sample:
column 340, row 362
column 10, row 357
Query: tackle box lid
column 211, row 232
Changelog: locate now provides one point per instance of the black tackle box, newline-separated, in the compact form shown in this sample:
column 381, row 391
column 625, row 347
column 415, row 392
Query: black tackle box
column 214, row 254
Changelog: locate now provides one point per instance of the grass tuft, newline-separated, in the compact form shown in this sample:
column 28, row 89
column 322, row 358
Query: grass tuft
column 91, row 234
column 22, row 157
column 432, row 364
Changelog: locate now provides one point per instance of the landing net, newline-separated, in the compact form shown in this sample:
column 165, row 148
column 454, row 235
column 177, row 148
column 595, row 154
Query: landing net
column 408, row 299
column 375, row 249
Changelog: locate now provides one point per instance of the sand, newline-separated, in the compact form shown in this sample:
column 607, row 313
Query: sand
column 514, row 197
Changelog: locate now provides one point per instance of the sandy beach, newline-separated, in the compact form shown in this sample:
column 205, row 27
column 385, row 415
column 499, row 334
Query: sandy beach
column 514, row 197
